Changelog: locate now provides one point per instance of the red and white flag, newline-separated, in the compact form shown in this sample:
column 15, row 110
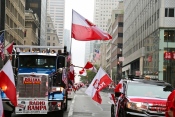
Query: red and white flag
column 1, row 107
column 100, row 81
column 89, row 66
column 7, row 82
column 84, row 30
column 119, row 87
column 83, row 72
column 10, row 48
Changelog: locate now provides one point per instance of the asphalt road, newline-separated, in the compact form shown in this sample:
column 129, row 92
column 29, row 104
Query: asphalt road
column 83, row 106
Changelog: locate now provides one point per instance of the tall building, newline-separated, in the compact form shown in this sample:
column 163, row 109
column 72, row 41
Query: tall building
column 31, row 28
column 40, row 8
column 114, row 47
column 12, row 23
column 102, row 12
column 10, row 13
column 56, row 9
column 52, row 37
column 148, row 42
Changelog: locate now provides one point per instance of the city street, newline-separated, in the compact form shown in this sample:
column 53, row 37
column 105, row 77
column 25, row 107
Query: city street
column 83, row 106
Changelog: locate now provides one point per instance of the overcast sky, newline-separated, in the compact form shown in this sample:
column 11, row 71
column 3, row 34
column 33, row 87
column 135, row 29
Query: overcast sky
column 86, row 9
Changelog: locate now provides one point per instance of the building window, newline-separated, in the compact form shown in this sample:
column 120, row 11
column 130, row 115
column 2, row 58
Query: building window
column 48, row 37
column 120, row 24
column 169, row 12
column 48, row 44
column 53, row 44
column 120, row 34
column 169, row 36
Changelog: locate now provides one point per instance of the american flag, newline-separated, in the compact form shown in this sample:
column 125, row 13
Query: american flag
column 97, row 55
column 64, row 76
column 2, row 46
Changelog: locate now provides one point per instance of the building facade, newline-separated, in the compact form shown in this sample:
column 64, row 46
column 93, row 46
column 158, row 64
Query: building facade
column 148, row 38
column 52, row 37
column 31, row 28
column 56, row 9
column 102, row 12
column 40, row 8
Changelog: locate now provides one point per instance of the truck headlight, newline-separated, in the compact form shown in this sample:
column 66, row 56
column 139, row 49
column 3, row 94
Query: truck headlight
column 134, row 105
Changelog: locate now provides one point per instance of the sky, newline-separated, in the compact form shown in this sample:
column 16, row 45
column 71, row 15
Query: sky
column 86, row 9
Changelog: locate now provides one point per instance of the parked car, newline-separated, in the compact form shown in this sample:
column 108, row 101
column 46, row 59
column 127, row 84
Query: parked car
column 141, row 98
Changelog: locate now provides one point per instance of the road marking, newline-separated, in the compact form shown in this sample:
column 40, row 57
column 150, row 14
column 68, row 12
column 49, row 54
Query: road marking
column 71, row 107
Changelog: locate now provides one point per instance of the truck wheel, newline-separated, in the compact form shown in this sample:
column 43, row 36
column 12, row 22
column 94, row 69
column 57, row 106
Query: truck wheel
column 7, row 113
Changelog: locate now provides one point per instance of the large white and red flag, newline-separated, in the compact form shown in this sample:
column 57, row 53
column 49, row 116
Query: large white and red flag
column 100, row 81
column 84, row 30
column 7, row 82
column 90, row 66
column 1, row 107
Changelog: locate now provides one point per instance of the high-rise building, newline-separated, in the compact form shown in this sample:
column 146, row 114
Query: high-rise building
column 56, row 9
column 52, row 37
column 149, row 38
column 40, row 8
column 102, row 12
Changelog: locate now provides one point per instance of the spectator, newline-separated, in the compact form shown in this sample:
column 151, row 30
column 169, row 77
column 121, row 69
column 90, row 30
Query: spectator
column 170, row 106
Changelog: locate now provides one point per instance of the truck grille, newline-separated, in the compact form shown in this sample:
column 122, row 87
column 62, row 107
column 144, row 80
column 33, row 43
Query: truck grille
column 29, row 89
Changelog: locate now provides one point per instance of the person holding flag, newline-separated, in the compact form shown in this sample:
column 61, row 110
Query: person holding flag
column 100, row 81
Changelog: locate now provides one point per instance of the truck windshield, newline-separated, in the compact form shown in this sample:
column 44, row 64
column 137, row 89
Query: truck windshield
column 36, row 61
column 148, row 90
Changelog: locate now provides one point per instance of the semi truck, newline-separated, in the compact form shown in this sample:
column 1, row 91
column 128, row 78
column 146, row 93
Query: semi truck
column 41, row 78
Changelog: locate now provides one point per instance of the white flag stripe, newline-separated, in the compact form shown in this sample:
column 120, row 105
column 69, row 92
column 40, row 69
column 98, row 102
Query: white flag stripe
column 7, row 68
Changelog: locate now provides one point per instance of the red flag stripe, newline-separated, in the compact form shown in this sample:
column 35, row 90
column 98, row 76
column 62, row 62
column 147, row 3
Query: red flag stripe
column 11, row 89
column 10, row 48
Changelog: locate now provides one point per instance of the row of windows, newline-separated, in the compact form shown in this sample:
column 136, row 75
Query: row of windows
column 49, row 44
column 12, row 9
column 48, row 38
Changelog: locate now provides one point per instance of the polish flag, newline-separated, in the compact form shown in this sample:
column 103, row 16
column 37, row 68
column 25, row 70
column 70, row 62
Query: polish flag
column 7, row 82
column 84, row 30
column 90, row 66
column 10, row 48
column 1, row 107
column 100, row 81
column 119, row 87
column 83, row 72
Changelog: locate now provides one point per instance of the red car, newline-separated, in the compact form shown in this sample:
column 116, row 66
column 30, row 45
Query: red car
column 141, row 98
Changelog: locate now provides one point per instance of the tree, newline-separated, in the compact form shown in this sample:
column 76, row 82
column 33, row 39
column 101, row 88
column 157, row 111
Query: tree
column 90, row 75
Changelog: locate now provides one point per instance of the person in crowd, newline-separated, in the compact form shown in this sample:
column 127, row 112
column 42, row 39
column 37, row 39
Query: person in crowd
column 170, row 105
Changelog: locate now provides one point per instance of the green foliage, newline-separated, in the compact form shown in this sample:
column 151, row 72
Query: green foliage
column 90, row 75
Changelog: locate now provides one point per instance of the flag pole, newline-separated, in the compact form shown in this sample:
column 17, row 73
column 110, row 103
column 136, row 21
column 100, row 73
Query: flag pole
column 71, row 35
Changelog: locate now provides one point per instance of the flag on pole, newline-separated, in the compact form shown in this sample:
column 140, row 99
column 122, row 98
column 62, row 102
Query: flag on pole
column 7, row 82
column 1, row 107
column 10, row 48
column 89, row 66
column 97, row 55
column 83, row 72
column 84, row 30
column 64, row 76
column 2, row 46
column 100, row 81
